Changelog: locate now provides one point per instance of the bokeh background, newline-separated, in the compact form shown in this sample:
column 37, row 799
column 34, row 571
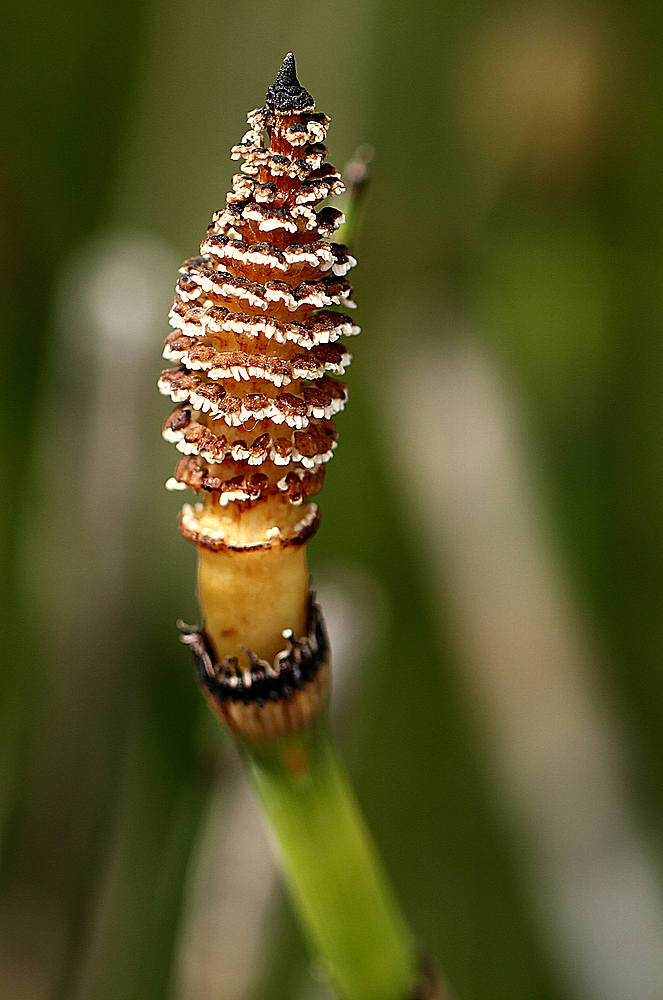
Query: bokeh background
column 491, row 551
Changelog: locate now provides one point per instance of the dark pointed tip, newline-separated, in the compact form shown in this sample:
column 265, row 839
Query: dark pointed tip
column 287, row 93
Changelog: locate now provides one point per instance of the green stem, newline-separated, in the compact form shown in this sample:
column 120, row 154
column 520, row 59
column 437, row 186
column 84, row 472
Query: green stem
column 332, row 868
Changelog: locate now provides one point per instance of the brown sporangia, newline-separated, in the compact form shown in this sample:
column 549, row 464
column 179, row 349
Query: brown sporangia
column 256, row 321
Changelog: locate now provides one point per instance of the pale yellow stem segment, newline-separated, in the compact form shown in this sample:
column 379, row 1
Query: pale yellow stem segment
column 249, row 598
column 253, row 579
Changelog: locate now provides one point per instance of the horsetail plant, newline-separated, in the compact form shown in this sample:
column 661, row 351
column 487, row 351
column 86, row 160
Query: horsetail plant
column 257, row 346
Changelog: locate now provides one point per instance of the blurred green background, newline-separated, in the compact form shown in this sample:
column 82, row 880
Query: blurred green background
column 491, row 551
